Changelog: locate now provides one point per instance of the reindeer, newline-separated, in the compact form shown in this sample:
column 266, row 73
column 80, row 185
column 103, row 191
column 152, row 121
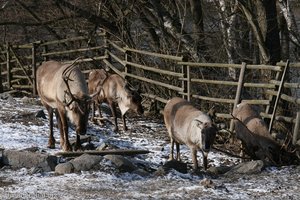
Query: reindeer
column 188, row 125
column 253, row 132
column 63, row 89
column 113, row 90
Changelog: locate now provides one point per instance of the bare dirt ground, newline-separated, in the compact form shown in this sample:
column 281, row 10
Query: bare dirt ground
column 19, row 129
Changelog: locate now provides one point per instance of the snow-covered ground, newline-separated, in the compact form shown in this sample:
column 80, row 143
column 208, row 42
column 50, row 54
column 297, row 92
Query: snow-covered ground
column 20, row 129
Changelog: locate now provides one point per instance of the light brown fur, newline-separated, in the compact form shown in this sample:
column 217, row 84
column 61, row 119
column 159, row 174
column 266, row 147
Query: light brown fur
column 114, row 90
column 54, row 95
column 256, row 140
column 188, row 125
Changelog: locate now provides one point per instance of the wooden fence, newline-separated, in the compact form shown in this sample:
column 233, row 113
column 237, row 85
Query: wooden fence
column 163, row 76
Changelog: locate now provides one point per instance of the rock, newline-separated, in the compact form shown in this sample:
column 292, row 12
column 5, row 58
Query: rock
column 250, row 167
column 208, row 183
column 172, row 164
column 141, row 172
column 177, row 165
column 20, row 159
column 40, row 114
column 85, row 162
column 64, row 168
column 218, row 170
column 31, row 149
column 121, row 162
column 6, row 96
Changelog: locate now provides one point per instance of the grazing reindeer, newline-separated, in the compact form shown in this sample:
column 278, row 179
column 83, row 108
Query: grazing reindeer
column 188, row 125
column 114, row 90
column 256, row 140
column 62, row 88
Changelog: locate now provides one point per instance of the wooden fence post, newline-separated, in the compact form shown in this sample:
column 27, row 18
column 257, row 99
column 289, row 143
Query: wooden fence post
column 186, row 82
column 106, row 48
column 127, row 58
column 238, row 92
column 33, row 53
column 278, row 95
column 8, row 66
column 296, row 133
column 45, row 50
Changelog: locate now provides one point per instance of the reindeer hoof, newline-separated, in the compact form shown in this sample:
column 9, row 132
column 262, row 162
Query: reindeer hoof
column 67, row 147
column 51, row 146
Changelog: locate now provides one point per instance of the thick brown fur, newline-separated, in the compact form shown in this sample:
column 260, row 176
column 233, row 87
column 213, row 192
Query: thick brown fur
column 53, row 80
column 188, row 125
column 115, row 91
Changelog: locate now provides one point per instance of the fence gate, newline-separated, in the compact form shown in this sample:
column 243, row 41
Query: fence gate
column 17, row 68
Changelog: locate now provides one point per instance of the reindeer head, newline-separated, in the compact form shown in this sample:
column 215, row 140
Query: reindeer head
column 76, row 104
column 208, row 132
column 135, row 99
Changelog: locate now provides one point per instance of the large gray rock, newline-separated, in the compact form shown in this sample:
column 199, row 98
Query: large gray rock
column 85, row 162
column 64, row 168
column 122, row 163
column 171, row 164
column 251, row 167
column 19, row 159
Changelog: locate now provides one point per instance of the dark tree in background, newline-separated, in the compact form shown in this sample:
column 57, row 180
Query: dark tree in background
column 207, row 31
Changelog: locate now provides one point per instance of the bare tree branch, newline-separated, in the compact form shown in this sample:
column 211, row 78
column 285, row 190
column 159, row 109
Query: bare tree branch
column 290, row 21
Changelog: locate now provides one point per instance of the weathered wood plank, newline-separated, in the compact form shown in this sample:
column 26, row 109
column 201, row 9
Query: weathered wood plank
column 175, row 58
column 152, row 69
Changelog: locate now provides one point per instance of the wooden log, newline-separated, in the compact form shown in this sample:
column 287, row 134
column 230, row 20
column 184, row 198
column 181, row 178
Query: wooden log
column 172, row 87
column 284, row 97
column 213, row 99
column 278, row 95
column 112, row 67
column 238, row 92
column 115, row 58
column 71, row 51
column 152, row 69
column 221, row 65
column 124, row 152
column 286, row 85
column 232, row 83
column 175, row 58
column 116, row 46
column 157, row 98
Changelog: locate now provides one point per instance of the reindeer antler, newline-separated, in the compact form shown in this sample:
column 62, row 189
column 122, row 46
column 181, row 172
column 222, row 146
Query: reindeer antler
column 66, row 77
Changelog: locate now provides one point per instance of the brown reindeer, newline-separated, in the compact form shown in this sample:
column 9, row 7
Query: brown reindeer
column 256, row 140
column 113, row 90
column 63, row 89
column 188, row 125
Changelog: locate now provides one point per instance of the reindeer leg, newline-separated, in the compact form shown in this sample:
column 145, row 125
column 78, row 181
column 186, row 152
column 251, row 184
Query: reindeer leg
column 178, row 152
column 124, row 122
column 204, row 154
column 51, row 141
column 171, row 157
column 113, row 112
column 60, row 127
column 78, row 143
column 65, row 144
column 100, row 113
column 194, row 158
column 93, row 110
